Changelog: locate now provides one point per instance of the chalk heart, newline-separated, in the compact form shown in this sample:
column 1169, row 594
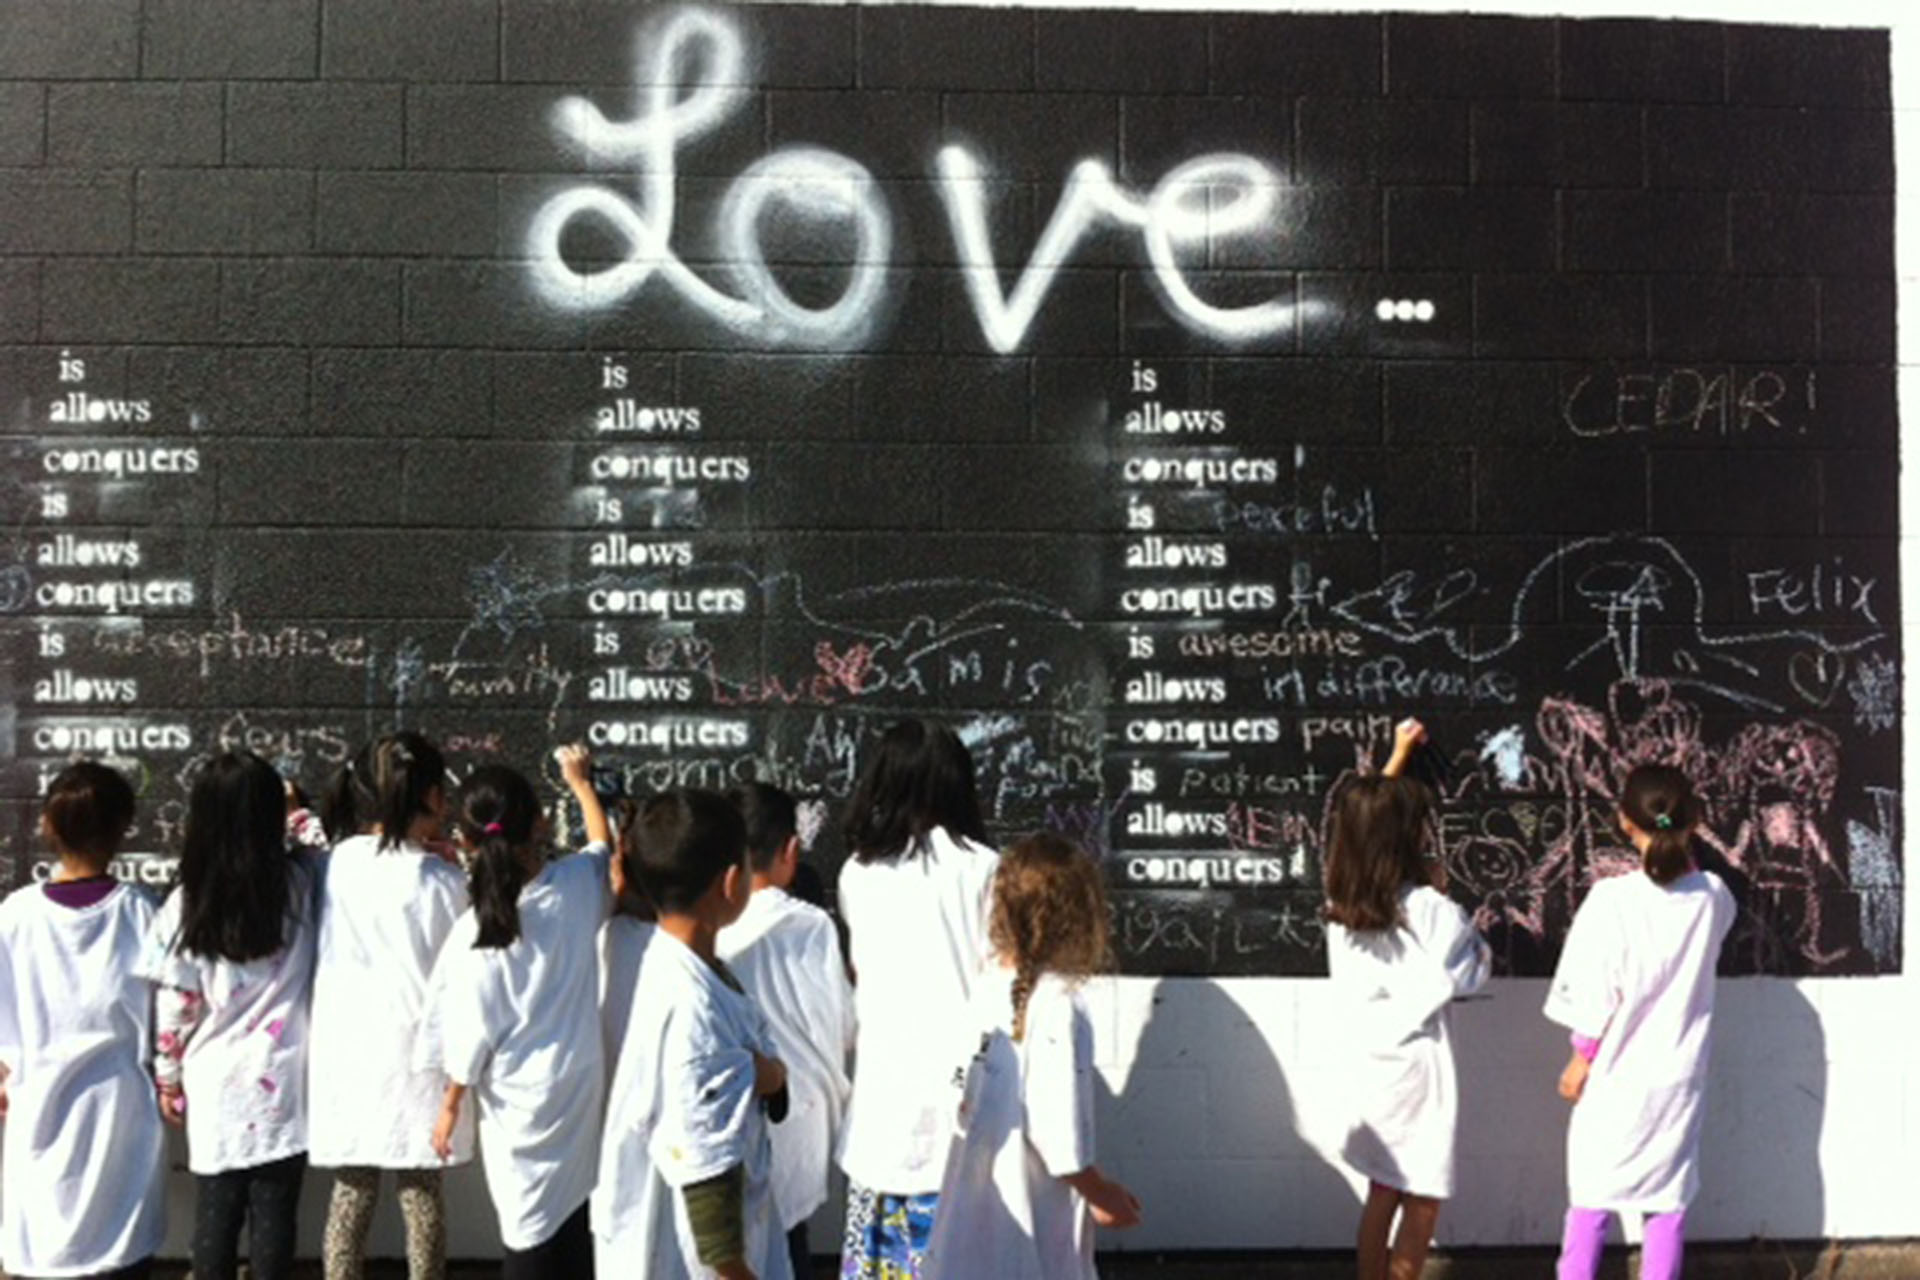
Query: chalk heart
column 848, row 670
column 1817, row 677
column 810, row 819
column 1633, row 701
column 1454, row 588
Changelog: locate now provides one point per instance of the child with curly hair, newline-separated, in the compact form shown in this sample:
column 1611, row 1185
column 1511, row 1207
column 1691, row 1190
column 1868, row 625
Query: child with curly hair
column 1022, row 1193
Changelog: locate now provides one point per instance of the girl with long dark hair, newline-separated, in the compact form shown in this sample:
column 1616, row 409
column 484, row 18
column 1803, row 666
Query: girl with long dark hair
column 1398, row 951
column 914, row 893
column 231, row 953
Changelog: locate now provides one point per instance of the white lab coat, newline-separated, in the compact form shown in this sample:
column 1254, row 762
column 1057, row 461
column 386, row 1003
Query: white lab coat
column 520, row 1026
column 623, row 945
column 683, row 1109
column 786, row 953
column 245, row 1069
column 1025, row 1123
column 84, row 1167
column 918, row 934
column 1637, row 975
column 384, row 914
column 1395, row 985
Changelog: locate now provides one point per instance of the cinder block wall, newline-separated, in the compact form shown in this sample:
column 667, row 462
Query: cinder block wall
column 299, row 230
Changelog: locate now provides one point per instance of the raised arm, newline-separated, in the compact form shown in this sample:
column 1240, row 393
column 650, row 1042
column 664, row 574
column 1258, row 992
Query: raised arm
column 576, row 766
column 1407, row 735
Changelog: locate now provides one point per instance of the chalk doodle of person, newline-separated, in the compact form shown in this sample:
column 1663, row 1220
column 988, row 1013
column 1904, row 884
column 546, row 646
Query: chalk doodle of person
column 1774, row 788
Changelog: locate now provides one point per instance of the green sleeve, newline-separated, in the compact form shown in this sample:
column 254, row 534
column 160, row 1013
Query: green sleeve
column 717, row 1209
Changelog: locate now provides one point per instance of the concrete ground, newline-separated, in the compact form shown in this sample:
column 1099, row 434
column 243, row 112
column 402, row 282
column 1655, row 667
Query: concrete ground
column 1754, row 1260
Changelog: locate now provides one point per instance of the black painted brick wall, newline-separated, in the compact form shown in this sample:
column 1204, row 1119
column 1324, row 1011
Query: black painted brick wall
column 297, row 226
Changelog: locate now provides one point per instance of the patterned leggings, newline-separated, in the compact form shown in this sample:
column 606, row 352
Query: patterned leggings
column 343, row 1251
column 265, row 1199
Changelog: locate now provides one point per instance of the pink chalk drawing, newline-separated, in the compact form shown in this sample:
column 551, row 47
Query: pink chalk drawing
column 1526, row 847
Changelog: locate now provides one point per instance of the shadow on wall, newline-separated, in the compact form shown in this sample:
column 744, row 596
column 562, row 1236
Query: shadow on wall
column 1204, row 1128
column 1760, row 1172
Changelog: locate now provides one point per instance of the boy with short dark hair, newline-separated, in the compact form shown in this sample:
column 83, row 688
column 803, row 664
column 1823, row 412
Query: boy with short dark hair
column 787, row 954
column 685, row 1187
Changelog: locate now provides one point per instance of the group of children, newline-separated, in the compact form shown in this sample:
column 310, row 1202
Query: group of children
column 650, row 1038
column 1634, row 987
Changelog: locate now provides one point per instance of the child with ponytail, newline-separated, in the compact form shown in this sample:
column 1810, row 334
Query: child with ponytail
column 517, row 1019
column 388, row 904
column 1021, row 1194
column 1398, row 951
column 1635, row 988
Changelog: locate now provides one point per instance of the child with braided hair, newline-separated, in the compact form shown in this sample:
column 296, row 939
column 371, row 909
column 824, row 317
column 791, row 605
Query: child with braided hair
column 1022, row 1193
column 1635, row 989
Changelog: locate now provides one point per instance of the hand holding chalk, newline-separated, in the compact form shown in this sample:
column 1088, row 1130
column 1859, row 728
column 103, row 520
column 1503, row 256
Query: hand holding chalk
column 1407, row 735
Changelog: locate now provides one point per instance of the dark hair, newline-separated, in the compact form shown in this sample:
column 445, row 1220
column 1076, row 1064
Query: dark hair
column 680, row 842
column 632, row 901
column 920, row 778
column 235, row 868
column 1049, row 916
column 387, row 783
column 496, row 815
column 348, row 795
column 1659, row 800
column 88, row 809
column 1380, row 826
column 771, row 817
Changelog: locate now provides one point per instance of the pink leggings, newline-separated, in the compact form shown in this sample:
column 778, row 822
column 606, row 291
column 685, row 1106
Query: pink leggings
column 1587, row 1231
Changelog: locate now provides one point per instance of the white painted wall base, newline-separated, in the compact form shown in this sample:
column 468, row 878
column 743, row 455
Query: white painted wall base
column 1223, row 1108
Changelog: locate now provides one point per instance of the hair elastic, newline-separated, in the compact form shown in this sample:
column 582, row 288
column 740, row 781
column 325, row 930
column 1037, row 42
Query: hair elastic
column 492, row 829
column 1664, row 821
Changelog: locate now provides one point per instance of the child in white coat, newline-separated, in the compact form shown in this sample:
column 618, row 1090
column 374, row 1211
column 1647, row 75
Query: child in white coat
column 787, row 954
column 914, row 893
column 388, row 903
column 1635, row 988
column 516, row 991
column 623, row 944
column 83, row 1167
column 1021, row 1193
column 1398, row 951
column 686, row 1186
column 231, row 953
